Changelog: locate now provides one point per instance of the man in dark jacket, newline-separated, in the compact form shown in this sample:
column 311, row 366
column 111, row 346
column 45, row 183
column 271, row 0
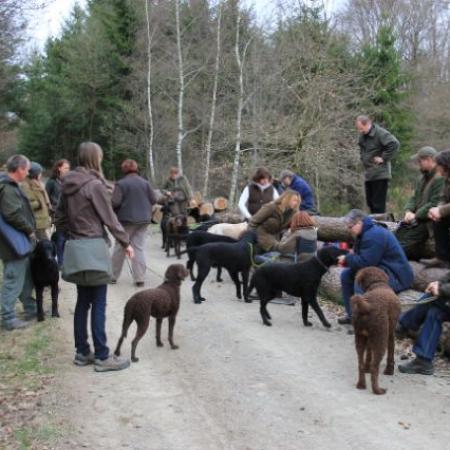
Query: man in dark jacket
column 428, row 319
column 377, row 147
column 295, row 182
column 132, row 200
column 414, row 229
column 16, row 210
column 374, row 246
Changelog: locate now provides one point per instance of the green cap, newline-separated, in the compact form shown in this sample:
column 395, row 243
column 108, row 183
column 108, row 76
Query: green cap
column 425, row 152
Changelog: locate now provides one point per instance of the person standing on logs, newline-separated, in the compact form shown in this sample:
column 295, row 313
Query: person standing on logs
column 257, row 193
column 415, row 227
column 377, row 147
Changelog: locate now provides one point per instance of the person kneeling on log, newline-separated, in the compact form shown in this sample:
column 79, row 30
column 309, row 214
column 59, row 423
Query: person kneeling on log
column 374, row 246
column 427, row 317
column 415, row 228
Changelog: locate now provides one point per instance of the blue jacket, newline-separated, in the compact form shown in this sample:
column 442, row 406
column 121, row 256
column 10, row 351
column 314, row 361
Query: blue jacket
column 304, row 189
column 377, row 246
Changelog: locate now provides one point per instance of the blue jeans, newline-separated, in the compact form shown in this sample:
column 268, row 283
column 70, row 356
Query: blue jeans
column 349, row 287
column 59, row 238
column 17, row 283
column 431, row 317
column 95, row 297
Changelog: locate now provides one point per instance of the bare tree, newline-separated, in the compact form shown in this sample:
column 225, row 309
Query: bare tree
column 213, row 103
column 149, row 94
column 240, row 61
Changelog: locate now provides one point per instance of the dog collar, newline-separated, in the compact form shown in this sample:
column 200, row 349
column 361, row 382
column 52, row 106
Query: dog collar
column 321, row 263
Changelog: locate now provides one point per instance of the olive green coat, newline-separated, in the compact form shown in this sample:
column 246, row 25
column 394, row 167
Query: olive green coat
column 268, row 223
column 377, row 142
column 16, row 210
column 40, row 203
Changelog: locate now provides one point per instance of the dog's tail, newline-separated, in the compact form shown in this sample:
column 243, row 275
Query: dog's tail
column 127, row 321
column 359, row 305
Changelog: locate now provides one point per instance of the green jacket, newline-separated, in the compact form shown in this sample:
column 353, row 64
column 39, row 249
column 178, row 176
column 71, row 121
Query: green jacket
column 268, row 223
column 40, row 203
column 16, row 210
column 427, row 194
column 377, row 142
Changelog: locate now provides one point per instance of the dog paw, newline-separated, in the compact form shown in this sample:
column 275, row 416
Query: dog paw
column 159, row 344
column 174, row 347
column 197, row 301
column 327, row 324
column 307, row 324
column 203, row 299
column 360, row 385
column 379, row 391
column 268, row 324
column 389, row 371
column 40, row 318
column 55, row 314
column 248, row 300
column 134, row 359
column 219, row 280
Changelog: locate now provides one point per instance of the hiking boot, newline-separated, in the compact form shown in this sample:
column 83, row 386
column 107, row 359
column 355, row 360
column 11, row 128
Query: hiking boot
column 111, row 363
column 84, row 360
column 15, row 324
column 400, row 331
column 344, row 320
column 436, row 262
column 418, row 365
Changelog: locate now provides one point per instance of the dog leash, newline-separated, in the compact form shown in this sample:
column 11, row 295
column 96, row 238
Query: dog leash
column 321, row 263
column 252, row 260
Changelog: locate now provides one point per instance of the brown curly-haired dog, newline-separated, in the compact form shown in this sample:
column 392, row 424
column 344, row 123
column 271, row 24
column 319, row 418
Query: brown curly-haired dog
column 161, row 302
column 374, row 316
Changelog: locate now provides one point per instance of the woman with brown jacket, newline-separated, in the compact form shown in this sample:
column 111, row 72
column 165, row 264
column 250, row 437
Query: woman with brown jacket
column 273, row 218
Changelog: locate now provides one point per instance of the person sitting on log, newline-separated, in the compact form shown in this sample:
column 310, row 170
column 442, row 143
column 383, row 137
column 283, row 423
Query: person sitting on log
column 274, row 218
column 415, row 228
column 440, row 215
column 374, row 246
column 295, row 182
column 257, row 193
column 427, row 317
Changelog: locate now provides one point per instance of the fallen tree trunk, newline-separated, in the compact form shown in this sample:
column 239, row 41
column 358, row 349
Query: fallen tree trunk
column 334, row 229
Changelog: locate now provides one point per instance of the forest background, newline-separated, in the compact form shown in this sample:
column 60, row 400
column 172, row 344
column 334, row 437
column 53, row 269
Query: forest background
column 206, row 86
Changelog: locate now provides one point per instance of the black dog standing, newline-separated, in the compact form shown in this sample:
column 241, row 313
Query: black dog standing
column 44, row 272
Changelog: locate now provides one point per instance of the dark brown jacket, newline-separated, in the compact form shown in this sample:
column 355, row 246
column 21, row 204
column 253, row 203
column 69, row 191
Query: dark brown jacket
column 257, row 197
column 85, row 207
column 268, row 223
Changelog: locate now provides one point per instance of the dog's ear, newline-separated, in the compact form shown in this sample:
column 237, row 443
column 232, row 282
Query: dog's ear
column 359, row 305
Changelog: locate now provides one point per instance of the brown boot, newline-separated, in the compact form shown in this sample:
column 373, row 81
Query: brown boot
column 436, row 262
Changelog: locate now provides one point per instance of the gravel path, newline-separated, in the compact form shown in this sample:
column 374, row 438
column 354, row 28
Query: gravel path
column 236, row 384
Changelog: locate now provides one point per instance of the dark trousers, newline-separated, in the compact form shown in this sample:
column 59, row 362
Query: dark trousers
column 412, row 239
column 91, row 297
column 442, row 238
column 59, row 239
column 376, row 194
column 431, row 317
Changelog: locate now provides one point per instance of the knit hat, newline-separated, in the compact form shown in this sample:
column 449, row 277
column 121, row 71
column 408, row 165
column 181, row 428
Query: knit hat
column 302, row 219
column 35, row 170
column 286, row 173
column 425, row 152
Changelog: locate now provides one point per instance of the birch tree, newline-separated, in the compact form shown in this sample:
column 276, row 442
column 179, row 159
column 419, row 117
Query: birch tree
column 149, row 95
column 213, row 103
column 240, row 62
column 181, row 135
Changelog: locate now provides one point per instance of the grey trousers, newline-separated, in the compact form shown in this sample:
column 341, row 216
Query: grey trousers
column 17, row 283
column 137, row 235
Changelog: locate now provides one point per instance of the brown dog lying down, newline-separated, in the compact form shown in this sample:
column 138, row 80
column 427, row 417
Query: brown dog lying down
column 374, row 317
column 161, row 302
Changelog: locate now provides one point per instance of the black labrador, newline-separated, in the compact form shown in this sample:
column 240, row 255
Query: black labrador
column 197, row 238
column 299, row 280
column 235, row 257
column 45, row 272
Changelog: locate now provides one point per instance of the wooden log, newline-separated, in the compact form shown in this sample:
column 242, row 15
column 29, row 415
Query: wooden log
column 206, row 209
column 220, row 204
column 228, row 217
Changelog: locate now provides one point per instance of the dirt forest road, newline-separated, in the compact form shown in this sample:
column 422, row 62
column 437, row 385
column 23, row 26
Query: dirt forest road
column 236, row 384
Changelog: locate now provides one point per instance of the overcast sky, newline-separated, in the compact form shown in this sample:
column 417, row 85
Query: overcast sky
column 47, row 22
